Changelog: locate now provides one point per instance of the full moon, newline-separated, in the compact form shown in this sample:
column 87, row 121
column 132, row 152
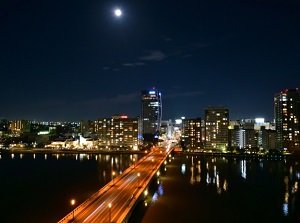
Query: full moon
column 118, row 12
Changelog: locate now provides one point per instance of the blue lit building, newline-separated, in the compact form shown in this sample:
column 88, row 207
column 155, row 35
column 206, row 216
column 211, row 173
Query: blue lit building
column 151, row 114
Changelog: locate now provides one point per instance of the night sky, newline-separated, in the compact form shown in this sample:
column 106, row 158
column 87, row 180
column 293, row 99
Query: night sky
column 75, row 60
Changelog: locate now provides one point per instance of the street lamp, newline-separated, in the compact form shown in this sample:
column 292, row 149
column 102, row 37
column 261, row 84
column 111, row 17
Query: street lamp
column 113, row 175
column 138, row 176
column 109, row 212
column 153, row 163
column 72, row 203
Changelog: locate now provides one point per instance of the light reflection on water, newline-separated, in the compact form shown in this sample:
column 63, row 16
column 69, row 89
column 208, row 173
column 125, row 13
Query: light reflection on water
column 254, row 184
column 40, row 186
column 40, row 174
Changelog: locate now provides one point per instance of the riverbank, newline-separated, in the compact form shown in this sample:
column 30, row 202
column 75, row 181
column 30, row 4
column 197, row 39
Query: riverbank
column 101, row 151
column 69, row 151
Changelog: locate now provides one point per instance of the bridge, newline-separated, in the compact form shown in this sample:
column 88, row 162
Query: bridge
column 116, row 200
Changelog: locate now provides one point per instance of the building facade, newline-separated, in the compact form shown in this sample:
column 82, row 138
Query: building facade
column 251, row 134
column 192, row 133
column 287, row 115
column 216, row 128
column 266, row 138
column 151, row 113
column 119, row 132
column 20, row 126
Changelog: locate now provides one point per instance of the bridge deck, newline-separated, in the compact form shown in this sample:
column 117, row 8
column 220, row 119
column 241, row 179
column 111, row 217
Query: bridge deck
column 115, row 201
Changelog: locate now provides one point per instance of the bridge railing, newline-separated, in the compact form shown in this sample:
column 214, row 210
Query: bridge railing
column 103, row 190
column 124, row 216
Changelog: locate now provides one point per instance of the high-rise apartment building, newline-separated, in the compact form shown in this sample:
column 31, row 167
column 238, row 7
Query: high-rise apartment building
column 216, row 128
column 287, row 115
column 87, row 127
column 192, row 133
column 266, row 138
column 102, row 128
column 20, row 126
column 118, row 131
column 151, row 113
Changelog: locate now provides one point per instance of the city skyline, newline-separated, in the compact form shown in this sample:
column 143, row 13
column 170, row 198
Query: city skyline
column 72, row 61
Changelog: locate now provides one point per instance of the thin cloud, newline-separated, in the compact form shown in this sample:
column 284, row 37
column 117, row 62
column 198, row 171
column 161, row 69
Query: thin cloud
column 140, row 64
column 185, row 52
column 188, row 50
column 186, row 56
column 128, row 64
column 133, row 64
column 153, row 56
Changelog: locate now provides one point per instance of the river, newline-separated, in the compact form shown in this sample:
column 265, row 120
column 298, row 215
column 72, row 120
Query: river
column 191, row 188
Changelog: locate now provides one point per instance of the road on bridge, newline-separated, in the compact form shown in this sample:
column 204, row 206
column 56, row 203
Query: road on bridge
column 114, row 201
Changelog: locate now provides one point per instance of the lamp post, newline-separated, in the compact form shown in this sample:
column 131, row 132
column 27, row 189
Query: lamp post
column 138, row 176
column 72, row 203
column 109, row 212
column 113, row 176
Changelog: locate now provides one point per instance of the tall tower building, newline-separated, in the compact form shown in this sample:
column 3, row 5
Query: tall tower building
column 216, row 128
column 287, row 115
column 192, row 133
column 151, row 113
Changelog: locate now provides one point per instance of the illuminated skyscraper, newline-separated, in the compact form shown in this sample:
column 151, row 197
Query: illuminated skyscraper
column 151, row 113
column 216, row 128
column 192, row 133
column 287, row 115
column 118, row 131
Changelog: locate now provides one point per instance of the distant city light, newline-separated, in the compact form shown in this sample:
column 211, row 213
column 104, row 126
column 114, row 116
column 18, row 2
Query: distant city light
column 259, row 120
column 178, row 121
column 43, row 132
column 183, row 168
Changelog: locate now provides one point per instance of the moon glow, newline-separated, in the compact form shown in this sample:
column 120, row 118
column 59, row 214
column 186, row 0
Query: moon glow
column 118, row 12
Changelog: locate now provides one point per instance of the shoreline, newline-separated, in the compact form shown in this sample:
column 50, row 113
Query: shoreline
column 68, row 151
column 80, row 151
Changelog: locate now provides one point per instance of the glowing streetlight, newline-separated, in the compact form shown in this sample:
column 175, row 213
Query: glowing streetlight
column 109, row 212
column 153, row 163
column 72, row 203
column 113, row 176
column 145, row 193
